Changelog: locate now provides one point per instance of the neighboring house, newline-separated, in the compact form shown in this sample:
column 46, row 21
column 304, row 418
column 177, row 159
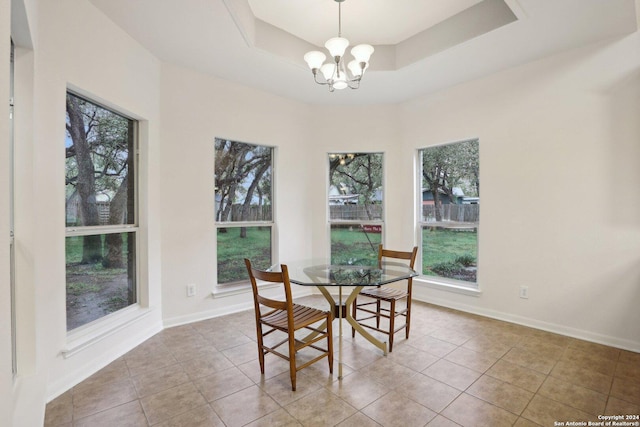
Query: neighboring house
column 345, row 197
column 459, row 197
column 427, row 196
column 341, row 197
column 73, row 212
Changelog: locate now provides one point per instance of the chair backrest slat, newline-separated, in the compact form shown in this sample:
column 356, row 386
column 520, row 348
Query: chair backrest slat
column 273, row 303
column 388, row 253
column 272, row 277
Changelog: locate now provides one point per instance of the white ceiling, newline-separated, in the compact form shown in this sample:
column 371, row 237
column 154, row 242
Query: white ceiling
column 422, row 46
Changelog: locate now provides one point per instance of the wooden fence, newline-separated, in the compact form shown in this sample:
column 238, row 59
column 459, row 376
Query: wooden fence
column 355, row 212
column 451, row 212
column 74, row 213
column 256, row 213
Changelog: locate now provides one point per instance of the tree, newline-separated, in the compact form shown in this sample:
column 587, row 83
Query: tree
column 448, row 166
column 85, row 179
column 361, row 173
column 241, row 170
column 98, row 163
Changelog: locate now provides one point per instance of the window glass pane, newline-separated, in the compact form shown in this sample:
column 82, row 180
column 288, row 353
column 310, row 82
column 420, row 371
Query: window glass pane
column 99, row 165
column 355, row 186
column 237, row 243
column 243, row 193
column 450, row 210
column 355, row 206
column 450, row 252
column 102, row 284
column 243, row 181
column 355, row 243
column 100, row 190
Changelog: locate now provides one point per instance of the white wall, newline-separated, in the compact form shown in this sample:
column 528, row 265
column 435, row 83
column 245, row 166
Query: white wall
column 195, row 109
column 559, row 172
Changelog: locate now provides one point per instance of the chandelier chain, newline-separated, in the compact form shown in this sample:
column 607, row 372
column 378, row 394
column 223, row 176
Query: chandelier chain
column 339, row 19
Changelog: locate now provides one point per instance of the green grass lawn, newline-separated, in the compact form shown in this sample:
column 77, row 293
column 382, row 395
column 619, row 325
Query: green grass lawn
column 347, row 245
column 232, row 250
column 442, row 246
column 351, row 244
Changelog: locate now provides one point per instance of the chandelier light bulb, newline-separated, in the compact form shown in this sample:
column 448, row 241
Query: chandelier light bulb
column 328, row 70
column 354, row 67
column 336, row 46
column 362, row 52
column 315, row 59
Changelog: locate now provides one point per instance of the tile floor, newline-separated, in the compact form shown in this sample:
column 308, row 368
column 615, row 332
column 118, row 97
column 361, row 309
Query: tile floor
column 455, row 369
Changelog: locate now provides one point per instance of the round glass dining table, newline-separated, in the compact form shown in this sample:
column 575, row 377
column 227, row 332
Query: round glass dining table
column 356, row 276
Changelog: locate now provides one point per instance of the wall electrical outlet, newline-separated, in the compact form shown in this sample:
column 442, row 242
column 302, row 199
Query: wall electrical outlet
column 191, row 290
column 524, row 292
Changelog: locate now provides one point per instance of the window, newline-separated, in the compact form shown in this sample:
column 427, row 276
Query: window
column 449, row 211
column 355, row 206
column 101, row 212
column 243, row 207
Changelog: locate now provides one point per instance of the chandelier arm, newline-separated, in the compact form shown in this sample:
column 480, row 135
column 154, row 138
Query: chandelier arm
column 315, row 78
column 353, row 84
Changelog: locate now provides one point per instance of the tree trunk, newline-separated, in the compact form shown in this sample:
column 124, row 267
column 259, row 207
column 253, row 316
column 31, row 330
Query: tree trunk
column 92, row 247
column 247, row 200
column 436, row 194
column 117, row 209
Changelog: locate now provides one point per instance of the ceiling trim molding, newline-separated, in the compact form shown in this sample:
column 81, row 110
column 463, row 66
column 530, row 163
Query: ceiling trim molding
column 243, row 18
column 472, row 22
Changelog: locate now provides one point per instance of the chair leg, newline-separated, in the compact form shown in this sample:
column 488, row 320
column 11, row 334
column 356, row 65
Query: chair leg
column 292, row 361
column 260, row 349
column 408, row 318
column 392, row 318
column 330, row 343
column 378, row 314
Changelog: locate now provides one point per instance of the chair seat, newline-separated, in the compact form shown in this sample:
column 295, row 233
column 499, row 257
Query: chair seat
column 385, row 293
column 302, row 316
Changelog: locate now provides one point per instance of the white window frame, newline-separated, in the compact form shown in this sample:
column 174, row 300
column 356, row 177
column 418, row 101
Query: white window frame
column 85, row 335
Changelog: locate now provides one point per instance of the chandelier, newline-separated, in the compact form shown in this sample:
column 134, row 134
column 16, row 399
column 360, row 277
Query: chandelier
column 334, row 73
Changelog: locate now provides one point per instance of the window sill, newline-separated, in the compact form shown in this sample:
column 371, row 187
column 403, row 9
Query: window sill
column 239, row 288
column 87, row 335
column 447, row 286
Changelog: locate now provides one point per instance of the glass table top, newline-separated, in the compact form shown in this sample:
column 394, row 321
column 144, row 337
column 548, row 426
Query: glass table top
column 320, row 272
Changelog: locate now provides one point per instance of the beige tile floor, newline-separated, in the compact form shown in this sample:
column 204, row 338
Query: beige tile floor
column 455, row 369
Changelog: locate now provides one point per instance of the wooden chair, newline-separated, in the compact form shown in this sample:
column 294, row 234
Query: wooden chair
column 389, row 295
column 288, row 317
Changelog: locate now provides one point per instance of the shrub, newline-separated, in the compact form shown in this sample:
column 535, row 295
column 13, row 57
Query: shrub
column 445, row 268
column 466, row 260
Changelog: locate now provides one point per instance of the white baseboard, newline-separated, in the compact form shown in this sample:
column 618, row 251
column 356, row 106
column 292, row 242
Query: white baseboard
column 209, row 314
column 533, row 323
column 221, row 311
